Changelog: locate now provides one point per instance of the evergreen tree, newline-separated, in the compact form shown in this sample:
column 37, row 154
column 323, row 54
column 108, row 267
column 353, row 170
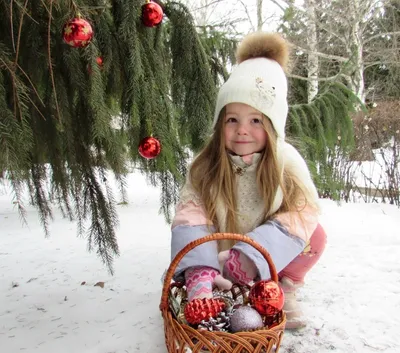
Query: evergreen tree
column 323, row 129
column 220, row 46
column 66, row 122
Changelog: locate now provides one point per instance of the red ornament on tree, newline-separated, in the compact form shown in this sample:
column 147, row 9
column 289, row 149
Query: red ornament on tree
column 77, row 33
column 99, row 61
column 149, row 147
column 152, row 14
column 267, row 297
column 198, row 310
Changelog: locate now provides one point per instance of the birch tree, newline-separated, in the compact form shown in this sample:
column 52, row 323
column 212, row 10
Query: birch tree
column 349, row 40
column 312, row 58
column 259, row 15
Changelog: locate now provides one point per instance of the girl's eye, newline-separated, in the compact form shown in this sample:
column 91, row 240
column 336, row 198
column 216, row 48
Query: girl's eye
column 257, row 121
column 231, row 120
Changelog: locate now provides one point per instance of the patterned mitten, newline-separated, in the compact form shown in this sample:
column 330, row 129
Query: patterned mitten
column 237, row 267
column 200, row 282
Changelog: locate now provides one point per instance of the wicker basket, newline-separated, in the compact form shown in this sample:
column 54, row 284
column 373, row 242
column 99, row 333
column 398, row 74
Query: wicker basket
column 181, row 338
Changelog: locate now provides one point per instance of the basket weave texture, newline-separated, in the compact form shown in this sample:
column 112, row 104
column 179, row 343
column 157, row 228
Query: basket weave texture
column 181, row 338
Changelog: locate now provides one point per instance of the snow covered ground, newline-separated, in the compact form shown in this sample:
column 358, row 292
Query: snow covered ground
column 352, row 297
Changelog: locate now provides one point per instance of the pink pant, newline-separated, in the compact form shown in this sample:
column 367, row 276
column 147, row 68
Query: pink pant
column 303, row 263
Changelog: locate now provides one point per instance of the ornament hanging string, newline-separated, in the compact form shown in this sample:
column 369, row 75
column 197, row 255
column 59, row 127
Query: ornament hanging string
column 74, row 8
column 159, row 3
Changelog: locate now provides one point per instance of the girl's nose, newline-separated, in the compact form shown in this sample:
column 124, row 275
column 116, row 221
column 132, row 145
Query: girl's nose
column 241, row 129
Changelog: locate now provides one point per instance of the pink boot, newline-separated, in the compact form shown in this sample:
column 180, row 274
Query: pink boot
column 294, row 315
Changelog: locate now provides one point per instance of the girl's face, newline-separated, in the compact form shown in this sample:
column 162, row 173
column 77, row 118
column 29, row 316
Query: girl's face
column 244, row 131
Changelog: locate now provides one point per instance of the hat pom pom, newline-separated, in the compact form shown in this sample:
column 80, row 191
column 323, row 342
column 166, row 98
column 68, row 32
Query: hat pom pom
column 264, row 45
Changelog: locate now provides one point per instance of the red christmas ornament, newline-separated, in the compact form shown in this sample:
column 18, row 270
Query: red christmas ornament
column 152, row 14
column 267, row 297
column 198, row 310
column 149, row 147
column 77, row 33
column 99, row 61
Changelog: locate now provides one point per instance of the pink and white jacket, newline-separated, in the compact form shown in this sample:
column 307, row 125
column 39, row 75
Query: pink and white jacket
column 284, row 236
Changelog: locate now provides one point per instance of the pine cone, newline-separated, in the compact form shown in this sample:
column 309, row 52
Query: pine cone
column 198, row 310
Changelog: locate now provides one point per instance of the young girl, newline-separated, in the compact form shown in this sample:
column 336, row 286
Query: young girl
column 248, row 180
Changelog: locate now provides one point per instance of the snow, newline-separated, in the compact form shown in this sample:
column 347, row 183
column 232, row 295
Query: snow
column 351, row 297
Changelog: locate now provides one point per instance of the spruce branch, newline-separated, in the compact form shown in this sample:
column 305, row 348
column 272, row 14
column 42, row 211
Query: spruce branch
column 39, row 197
column 32, row 85
column 11, row 24
column 23, row 8
column 50, row 60
column 45, row 6
column 66, row 161
column 19, row 33
column 14, row 89
column 16, row 83
column 17, row 186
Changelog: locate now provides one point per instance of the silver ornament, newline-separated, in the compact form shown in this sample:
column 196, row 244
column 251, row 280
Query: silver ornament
column 245, row 318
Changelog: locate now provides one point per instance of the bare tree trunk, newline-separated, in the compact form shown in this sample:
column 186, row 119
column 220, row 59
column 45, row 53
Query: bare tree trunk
column 355, row 50
column 203, row 15
column 312, row 59
column 259, row 15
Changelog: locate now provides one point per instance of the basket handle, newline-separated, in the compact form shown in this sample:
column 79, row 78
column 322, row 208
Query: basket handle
column 208, row 238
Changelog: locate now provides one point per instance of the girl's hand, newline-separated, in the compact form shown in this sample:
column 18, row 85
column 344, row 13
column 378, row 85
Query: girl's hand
column 237, row 267
column 200, row 282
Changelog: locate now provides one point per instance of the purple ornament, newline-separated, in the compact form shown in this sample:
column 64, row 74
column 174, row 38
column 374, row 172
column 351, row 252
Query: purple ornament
column 245, row 318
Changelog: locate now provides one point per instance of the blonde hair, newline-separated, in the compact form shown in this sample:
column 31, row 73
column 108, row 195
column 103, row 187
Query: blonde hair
column 213, row 178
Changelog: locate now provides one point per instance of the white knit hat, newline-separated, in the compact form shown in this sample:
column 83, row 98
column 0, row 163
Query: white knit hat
column 259, row 79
